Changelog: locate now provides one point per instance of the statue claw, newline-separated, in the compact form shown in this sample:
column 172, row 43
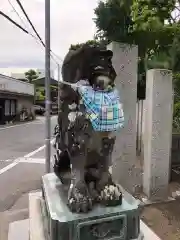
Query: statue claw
column 111, row 195
column 93, row 192
column 78, row 201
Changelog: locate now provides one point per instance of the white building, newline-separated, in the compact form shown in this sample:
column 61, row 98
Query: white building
column 16, row 97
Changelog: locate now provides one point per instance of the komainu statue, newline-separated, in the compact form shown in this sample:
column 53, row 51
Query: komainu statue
column 90, row 113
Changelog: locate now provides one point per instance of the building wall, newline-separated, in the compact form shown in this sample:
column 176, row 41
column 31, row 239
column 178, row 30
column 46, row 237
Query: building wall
column 25, row 103
column 15, row 97
column 13, row 85
column 18, row 75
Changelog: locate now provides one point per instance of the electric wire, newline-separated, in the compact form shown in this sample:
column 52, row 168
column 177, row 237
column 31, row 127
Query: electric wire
column 27, row 17
column 38, row 38
column 30, row 22
column 12, row 21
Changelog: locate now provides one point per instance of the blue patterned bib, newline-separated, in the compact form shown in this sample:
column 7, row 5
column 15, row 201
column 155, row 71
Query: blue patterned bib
column 103, row 108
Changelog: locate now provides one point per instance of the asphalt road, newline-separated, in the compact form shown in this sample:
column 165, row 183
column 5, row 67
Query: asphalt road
column 19, row 140
column 22, row 142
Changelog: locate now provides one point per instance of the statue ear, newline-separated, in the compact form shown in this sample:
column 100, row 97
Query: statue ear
column 73, row 54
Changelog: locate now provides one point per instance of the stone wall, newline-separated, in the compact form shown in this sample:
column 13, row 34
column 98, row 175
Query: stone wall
column 125, row 62
column 158, row 133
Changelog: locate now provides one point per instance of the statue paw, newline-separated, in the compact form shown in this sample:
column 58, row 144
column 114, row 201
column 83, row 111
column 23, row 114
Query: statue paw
column 79, row 199
column 93, row 192
column 111, row 195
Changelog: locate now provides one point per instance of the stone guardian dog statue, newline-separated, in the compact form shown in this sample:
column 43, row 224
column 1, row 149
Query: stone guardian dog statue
column 89, row 115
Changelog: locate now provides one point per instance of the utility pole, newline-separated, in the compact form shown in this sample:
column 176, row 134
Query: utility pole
column 47, row 85
column 59, row 101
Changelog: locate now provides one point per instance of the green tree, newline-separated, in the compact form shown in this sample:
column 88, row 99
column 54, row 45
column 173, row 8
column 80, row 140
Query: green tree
column 147, row 23
column 113, row 20
column 31, row 75
column 89, row 42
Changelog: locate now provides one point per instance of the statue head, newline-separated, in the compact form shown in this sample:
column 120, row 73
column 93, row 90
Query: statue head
column 97, row 66
column 93, row 63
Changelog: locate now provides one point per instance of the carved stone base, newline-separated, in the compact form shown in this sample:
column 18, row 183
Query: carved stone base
column 115, row 223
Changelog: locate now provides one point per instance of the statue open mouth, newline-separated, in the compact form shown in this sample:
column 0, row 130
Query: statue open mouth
column 103, row 82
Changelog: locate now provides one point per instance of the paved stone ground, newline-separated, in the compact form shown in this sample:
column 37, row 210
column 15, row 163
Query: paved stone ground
column 164, row 219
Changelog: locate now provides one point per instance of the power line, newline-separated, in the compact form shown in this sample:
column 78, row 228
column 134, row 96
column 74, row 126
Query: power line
column 23, row 22
column 26, row 31
column 12, row 21
column 22, row 8
column 37, row 34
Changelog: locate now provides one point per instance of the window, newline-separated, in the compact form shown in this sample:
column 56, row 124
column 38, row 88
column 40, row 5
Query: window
column 13, row 107
column 7, row 107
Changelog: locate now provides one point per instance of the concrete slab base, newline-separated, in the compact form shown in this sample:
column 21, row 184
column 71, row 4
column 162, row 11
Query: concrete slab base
column 8, row 217
column 35, row 217
column 19, row 230
column 147, row 232
column 32, row 228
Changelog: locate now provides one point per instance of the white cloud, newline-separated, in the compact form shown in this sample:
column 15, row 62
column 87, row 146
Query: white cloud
column 71, row 22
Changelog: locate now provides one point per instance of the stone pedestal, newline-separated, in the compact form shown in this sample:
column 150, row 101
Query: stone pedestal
column 125, row 62
column 106, row 223
column 157, row 133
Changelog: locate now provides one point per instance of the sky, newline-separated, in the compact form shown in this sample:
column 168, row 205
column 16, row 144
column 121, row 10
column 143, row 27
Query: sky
column 71, row 23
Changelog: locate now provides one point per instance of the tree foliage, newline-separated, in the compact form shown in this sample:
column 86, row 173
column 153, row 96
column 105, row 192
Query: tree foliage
column 31, row 75
column 113, row 20
column 146, row 23
column 40, row 93
column 90, row 42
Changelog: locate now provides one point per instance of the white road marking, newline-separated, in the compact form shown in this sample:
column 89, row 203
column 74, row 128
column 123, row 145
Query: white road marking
column 38, row 120
column 3, row 170
column 34, row 152
column 7, row 160
column 18, row 125
column 33, row 160
column 18, row 160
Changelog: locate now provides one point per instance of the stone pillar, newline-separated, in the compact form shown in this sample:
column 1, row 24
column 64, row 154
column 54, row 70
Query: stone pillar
column 158, row 133
column 124, row 156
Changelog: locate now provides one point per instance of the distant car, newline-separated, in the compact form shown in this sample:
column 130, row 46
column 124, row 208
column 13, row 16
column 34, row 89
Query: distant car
column 39, row 110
